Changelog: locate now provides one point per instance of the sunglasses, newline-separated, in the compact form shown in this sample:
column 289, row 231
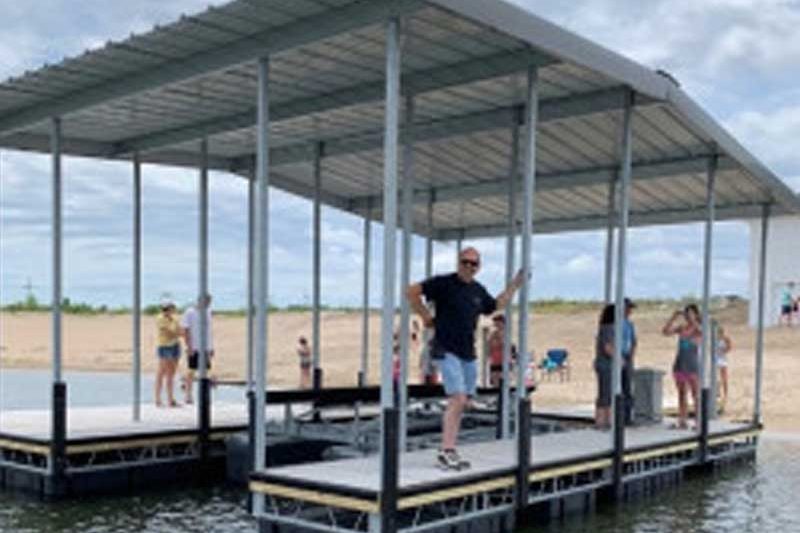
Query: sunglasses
column 470, row 263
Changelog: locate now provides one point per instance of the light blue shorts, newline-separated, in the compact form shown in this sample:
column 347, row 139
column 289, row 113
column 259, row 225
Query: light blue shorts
column 459, row 376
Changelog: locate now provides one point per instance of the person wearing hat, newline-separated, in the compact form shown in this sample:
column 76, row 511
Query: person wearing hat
column 629, row 342
column 168, row 350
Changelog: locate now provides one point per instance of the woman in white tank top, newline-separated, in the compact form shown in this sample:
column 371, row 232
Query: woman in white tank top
column 721, row 351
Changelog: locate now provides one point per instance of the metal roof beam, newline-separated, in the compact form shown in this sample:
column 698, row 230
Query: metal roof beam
column 303, row 190
column 417, row 82
column 30, row 142
column 667, row 217
column 549, row 110
column 325, row 25
column 559, row 180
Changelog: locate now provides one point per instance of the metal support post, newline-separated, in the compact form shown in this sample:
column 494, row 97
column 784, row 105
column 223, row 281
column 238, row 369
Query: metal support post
column 706, row 350
column 59, row 388
column 1, row 276
column 528, row 187
column 55, row 141
column 405, row 267
column 261, row 271
column 609, row 269
column 251, row 220
column 250, row 394
column 711, row 412
column 363, row 373
column 427, row 368
column 389, row 459
column 618, row 434
column 513, row 177
column 484, row 356
column 429, row 239
column 762, row 275
column 204, row 386
column 317, row 274
column 137, row 288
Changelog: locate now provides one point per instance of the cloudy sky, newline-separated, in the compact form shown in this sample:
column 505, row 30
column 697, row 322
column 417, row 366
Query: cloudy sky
column 738, row 58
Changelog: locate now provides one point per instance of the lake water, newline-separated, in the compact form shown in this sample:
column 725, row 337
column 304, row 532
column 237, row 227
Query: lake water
column 756, row 497
column 30, row 389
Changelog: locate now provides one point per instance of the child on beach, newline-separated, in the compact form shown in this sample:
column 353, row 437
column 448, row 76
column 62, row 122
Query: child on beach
column 304, row 357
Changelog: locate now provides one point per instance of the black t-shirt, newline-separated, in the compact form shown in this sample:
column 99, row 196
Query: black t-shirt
column 458, row 305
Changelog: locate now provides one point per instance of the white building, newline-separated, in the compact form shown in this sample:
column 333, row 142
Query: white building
column 783, row 265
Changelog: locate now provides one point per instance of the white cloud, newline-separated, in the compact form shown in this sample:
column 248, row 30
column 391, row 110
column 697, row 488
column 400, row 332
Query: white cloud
column 582, row 264
column 771, row 134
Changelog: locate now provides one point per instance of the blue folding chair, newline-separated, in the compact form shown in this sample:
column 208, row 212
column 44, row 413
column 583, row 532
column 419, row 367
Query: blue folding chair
column 555, row 362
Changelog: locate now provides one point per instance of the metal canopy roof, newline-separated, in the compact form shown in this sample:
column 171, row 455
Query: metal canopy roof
column 465, row 62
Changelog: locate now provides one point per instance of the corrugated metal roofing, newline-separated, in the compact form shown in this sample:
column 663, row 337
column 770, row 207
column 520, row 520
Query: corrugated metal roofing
column 465, row 62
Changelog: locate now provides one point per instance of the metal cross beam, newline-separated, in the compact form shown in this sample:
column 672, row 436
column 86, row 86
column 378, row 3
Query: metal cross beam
column 87, row 148
column 550, row 110
column 417, row 82
column 672, row 216
column 314, row 28
column 553, row 181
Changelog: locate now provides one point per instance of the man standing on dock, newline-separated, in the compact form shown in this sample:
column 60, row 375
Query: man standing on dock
column 459, row 300
column 190, row 322
column 629, row 343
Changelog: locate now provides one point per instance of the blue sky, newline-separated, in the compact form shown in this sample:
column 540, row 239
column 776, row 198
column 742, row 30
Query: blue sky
column 738, row 58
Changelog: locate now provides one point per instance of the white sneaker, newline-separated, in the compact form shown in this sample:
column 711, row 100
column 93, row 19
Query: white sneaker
column 450, row 460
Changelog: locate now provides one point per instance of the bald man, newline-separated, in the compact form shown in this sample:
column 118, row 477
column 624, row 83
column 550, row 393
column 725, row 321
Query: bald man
column 459, row 299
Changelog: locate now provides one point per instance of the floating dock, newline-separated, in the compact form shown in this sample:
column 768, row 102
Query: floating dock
column 105, row 451
column 568, row 471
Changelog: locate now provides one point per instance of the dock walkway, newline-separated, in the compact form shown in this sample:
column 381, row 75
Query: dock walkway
column 345, row 495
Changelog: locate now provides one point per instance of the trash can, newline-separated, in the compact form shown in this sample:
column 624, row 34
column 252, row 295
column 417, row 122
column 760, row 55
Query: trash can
column 647, row 395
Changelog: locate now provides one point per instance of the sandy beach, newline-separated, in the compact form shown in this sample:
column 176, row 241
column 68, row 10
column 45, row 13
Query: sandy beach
column 102, row 343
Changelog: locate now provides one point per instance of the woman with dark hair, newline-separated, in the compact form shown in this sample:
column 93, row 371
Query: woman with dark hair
column 603, row 363
column 686, row 368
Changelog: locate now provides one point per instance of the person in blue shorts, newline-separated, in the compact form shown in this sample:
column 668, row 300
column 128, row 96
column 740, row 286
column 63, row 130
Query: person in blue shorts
column 459, row 299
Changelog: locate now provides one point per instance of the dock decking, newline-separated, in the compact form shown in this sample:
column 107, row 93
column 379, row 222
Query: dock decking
column 105, row 450
column 562, row 464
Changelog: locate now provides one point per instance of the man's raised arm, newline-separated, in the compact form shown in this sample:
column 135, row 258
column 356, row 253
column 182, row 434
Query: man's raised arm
column 504, row 298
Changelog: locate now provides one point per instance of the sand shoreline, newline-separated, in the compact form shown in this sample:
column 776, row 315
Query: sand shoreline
column 102, row 343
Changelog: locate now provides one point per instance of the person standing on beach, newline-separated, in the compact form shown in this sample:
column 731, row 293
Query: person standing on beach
column 686, row 367
column 169, row 351
column 304, row 358
column 497, row 342
column 603, row 365
column 721, row 351
column 459, row 300
column 787, row 304
column 190, row 322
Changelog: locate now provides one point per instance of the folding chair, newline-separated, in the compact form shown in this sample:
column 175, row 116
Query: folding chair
column 555, row 362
